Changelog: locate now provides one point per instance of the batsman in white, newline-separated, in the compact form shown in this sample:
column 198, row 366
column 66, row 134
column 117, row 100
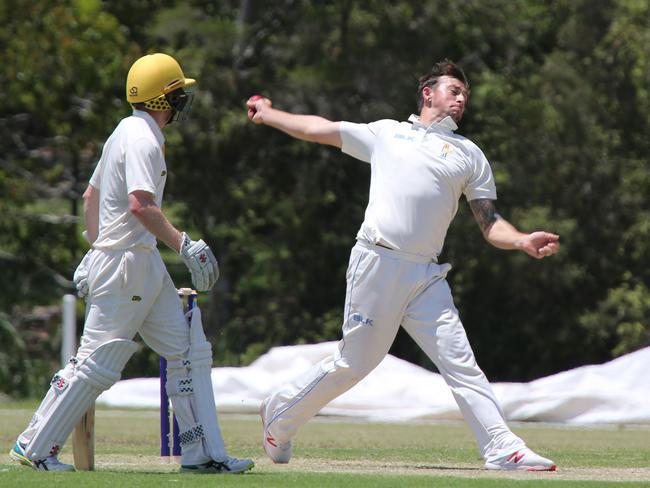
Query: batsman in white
column 419, row 169
column 129, row 290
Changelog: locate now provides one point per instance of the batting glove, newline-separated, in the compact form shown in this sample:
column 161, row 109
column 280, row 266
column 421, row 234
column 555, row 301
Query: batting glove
column 201, row 262
column 80, row 277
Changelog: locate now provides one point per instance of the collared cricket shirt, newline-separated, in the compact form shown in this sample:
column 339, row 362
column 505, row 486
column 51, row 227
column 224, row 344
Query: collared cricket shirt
column 418, row 174
column 132, row 159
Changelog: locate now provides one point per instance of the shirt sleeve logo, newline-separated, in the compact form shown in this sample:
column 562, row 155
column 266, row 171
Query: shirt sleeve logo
column 446, row 149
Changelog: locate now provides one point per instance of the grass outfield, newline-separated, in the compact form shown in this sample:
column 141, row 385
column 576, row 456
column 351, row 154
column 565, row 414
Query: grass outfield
column 330, row 453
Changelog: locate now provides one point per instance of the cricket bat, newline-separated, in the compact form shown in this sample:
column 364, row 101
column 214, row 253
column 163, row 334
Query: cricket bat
column 83, row 442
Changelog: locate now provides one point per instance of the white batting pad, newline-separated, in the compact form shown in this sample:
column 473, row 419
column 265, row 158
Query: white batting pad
column 70, row 397
column 189, row 386
column 46, row 404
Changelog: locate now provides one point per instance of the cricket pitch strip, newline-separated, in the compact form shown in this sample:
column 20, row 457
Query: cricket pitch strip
column 264, row 465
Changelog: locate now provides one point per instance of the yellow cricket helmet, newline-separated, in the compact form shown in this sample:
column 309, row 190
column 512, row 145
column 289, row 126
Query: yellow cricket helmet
column 153, row 78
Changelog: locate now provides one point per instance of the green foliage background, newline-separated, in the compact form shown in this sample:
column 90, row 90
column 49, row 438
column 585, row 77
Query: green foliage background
column 560, row 103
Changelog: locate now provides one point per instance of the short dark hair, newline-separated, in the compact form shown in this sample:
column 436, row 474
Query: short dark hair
column 441, row 68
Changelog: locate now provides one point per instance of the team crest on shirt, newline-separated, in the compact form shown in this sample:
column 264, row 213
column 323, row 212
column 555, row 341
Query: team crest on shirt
column 446, row 149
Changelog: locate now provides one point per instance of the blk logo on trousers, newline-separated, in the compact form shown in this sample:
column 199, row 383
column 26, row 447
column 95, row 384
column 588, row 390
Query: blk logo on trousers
column 357, row 317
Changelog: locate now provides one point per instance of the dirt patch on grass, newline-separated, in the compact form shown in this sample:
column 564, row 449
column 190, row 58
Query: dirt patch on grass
column 156, row 464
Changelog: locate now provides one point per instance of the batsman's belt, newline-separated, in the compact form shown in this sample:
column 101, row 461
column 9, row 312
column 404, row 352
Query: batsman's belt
column 396, row 253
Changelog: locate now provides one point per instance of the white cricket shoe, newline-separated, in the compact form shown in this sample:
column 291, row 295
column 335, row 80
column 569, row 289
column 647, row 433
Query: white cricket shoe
column 278, row 452
column 230, row 465
column 522, row 460
column 50, row 463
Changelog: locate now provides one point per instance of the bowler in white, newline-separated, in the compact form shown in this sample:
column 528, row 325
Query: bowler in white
column 419, row 170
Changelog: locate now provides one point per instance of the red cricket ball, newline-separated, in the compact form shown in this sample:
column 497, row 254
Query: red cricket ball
column 252, row 110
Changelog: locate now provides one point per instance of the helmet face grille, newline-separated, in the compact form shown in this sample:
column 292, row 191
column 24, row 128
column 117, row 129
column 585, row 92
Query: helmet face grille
column 181, row 102
column 177, row 99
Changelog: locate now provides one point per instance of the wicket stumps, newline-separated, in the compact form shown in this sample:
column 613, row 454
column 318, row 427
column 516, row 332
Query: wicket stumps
column 188, row 297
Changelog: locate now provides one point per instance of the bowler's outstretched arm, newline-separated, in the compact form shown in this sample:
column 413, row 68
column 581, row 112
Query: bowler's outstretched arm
column 311, row 128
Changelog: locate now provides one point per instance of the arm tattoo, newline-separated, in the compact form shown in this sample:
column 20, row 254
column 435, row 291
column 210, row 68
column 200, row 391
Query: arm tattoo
column 485, row 213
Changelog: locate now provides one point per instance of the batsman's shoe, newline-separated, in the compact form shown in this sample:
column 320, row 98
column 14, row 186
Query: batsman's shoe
column 522, row 460
column 51, row 463
column 230, row 465
column 278, row 452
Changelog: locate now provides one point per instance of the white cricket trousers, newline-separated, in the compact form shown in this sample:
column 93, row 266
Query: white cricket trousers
column 386, row 289
column 131, row 292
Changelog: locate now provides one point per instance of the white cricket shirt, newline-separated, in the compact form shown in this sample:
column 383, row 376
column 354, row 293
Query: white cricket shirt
column 132, row 159
column 418, row 174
